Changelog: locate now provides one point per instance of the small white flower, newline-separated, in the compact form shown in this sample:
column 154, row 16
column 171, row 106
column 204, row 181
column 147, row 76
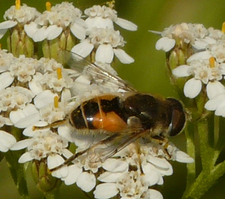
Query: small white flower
column 103, row 17
column 15, row 98
column 204, row 71
column 43, row 144
column 52, row 23
column 27, row 116
column 195, row 34
column 6, row 141
column 17, row 14
column 106, row 42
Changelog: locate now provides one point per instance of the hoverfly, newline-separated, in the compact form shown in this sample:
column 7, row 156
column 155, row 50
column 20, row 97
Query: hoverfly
column 123, row 116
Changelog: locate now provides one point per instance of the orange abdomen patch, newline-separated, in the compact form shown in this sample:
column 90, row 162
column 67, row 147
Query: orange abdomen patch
column 109, row 121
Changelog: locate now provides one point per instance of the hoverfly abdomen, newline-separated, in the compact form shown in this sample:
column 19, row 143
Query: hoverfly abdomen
column 101, row 113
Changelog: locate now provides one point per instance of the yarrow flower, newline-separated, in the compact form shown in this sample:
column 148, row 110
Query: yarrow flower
column 55, row 20
column 102, row 42
column 105, row 42
column 42, row 144
column 129, row 173
column 204, row 71
column 18, row 18
column 18, row 14
column 103, row 17
column 194, row 34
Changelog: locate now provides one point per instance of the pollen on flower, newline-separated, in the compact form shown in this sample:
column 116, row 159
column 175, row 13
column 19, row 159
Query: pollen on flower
column 59, row 73
column 48, row 6
column 212, row 62
column 223, row 27
column 56, row 101
column 18, row 4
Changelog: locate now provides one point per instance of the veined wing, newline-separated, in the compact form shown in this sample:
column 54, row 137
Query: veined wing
column 106, row 148
column 95, row 73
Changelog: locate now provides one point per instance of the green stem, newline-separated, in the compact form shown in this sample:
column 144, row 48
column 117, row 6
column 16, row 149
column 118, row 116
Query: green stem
column 216, row 130
column 204, row 181
column 17, row 170
column 191, row 168
column 210, row 173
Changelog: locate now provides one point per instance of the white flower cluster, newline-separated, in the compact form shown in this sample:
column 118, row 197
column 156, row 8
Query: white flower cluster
column 18, row 14
column 37, row 96
column 41, row 95
column 194, row 34
column 96, row 33
column 52, row 22
column 205, row 67
column 101, row 36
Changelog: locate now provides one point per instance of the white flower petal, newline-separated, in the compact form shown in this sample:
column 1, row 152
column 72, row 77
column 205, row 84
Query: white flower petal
column 61, row 172
column 78, row 31
column 110, row 177
column 73, row 174
column 5, row 80
column 21, row 144
column 40, row 34
column 159, row 162
column 192, row 88
column 123, row 56
column 199, row 56
column 53, row 32
column 7, row 24
column 26, row 117
column 6, row 141
column 105, row 190
column 54, row 160
column 26, row 157
column 152, row 175
column 44, row 98
column 31, row 28
column 35, row 87
column 214, row 88
column 183, row 157
column 104, row 53
column 86, row 181
column 128, row 25
column 181, row 71
column 155, row 194
column 115, row 165
column 165, row 44
column 83, row 49
column 213, row 103
column 220, row 110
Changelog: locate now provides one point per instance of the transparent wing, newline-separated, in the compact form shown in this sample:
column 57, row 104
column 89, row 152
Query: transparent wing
column 105, row 148
column 95, row 73
column 111, row 145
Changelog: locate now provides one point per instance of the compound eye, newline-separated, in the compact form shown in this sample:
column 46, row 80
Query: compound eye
column 177, row 123
column 178, row 117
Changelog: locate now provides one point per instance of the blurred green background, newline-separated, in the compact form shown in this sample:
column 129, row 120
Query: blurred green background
column 146, row 74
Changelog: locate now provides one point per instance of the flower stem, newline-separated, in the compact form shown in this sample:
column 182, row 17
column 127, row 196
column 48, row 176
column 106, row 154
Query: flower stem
column 210, row 172
column 191, row 168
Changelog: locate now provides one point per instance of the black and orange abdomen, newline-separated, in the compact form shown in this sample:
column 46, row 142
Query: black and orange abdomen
column 104, row 113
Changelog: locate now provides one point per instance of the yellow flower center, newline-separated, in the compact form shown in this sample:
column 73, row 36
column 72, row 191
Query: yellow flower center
column 48, row 6
column 17, row 4
column 212, row 62
column 223, row 27
column 56, row 102
column 59, row 73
